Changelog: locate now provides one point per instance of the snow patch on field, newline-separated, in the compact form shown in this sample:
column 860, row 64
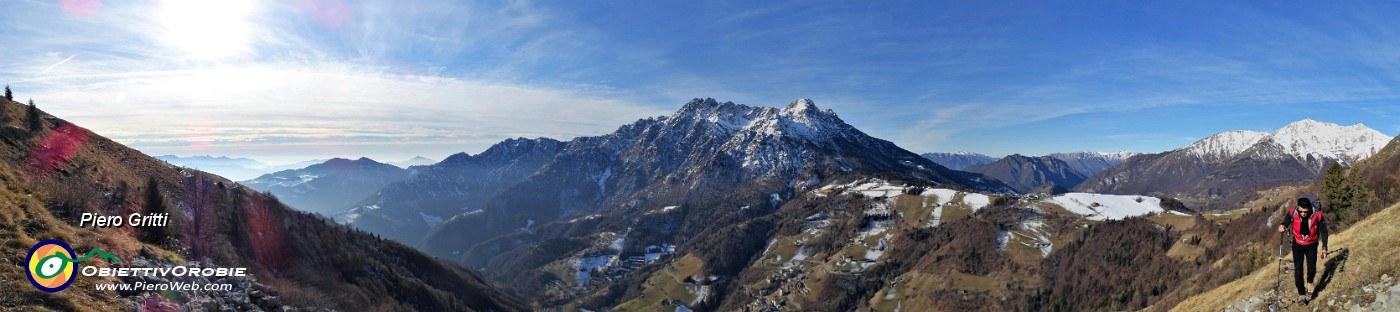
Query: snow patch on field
column 883, row 207
column 816, row 222
column 976, row 201
column 869, row 188
column 584, row 266
column 877, row 188
column 797, row 258
column 875, row 228
column 936, row 217
column 654, row 252
column 769, row 247
column 1100, row 207
column 944, row 195
column 878, row 250
column 617, row 244
column 701, row 293
column 1039, row 236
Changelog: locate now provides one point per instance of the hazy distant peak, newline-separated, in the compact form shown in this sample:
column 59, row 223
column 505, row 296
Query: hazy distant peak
column 415, row 161
column 959, row 160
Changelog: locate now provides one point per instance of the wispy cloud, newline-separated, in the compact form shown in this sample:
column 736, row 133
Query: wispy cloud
column 294, row 89
column 47, row 69
column 322, row 104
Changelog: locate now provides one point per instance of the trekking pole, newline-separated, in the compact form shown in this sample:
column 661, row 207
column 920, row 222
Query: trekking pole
column 1278, row 296
column 1282, row 267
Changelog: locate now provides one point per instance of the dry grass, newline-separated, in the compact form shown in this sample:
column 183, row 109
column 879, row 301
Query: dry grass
column 915, row 283
column 956, row 209
column 23, row 222
column 1372, row 246
column 1183, row 249
column 1177, row 221
column 667, row 286
column 916, row 210
column 879, row 303
column 1017, row 248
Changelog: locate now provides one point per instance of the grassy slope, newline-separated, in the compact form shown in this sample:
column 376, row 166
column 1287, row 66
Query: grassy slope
column 23, row 222
column 1371, row 245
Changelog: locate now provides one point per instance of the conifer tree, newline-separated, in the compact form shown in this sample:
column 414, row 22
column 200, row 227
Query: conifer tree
column 8, row 95
column 1343, row 194
column 156, row 204
column 33, row 117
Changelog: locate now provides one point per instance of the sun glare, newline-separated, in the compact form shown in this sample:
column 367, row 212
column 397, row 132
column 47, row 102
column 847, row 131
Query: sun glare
column 207, row 30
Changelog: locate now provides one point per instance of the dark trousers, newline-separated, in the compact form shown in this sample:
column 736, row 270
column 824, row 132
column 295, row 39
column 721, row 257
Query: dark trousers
column 1300, row 253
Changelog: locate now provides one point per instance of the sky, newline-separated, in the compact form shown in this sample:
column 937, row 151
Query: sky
column 283, row 81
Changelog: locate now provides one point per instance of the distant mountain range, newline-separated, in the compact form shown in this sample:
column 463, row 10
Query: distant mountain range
column 406, row 210
column 1091, row 163
column 1026, row 174
column 329, row 187
column 415, row 161
column 959, row 160
column 232, row 168
column 1059, row 171
column 239, row 169
column 1222, row 168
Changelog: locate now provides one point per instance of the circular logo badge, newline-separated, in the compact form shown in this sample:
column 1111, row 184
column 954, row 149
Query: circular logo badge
column 50, row 266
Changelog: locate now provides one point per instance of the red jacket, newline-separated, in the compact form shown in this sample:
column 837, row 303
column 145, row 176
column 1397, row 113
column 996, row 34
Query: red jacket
column 1316, row 228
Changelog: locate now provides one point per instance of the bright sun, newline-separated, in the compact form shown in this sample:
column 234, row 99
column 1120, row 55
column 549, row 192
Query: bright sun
column 207, row 30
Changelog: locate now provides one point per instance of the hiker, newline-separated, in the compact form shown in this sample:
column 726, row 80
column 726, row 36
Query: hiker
column 1307, row 225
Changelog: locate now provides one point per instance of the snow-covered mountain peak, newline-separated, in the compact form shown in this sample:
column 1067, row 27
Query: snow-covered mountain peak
column 803, row 110
column 1303, row 139
column 1225, row 144
column 799, row 107
column 1119, row 155
column 801, row 119
column 1309, row 137
column 728, row 115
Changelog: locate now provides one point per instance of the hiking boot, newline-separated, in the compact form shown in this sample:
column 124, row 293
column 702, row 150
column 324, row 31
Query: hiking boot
column 1303, row 298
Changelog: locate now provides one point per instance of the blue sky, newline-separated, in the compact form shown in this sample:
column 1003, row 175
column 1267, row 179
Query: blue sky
column 288, row 80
